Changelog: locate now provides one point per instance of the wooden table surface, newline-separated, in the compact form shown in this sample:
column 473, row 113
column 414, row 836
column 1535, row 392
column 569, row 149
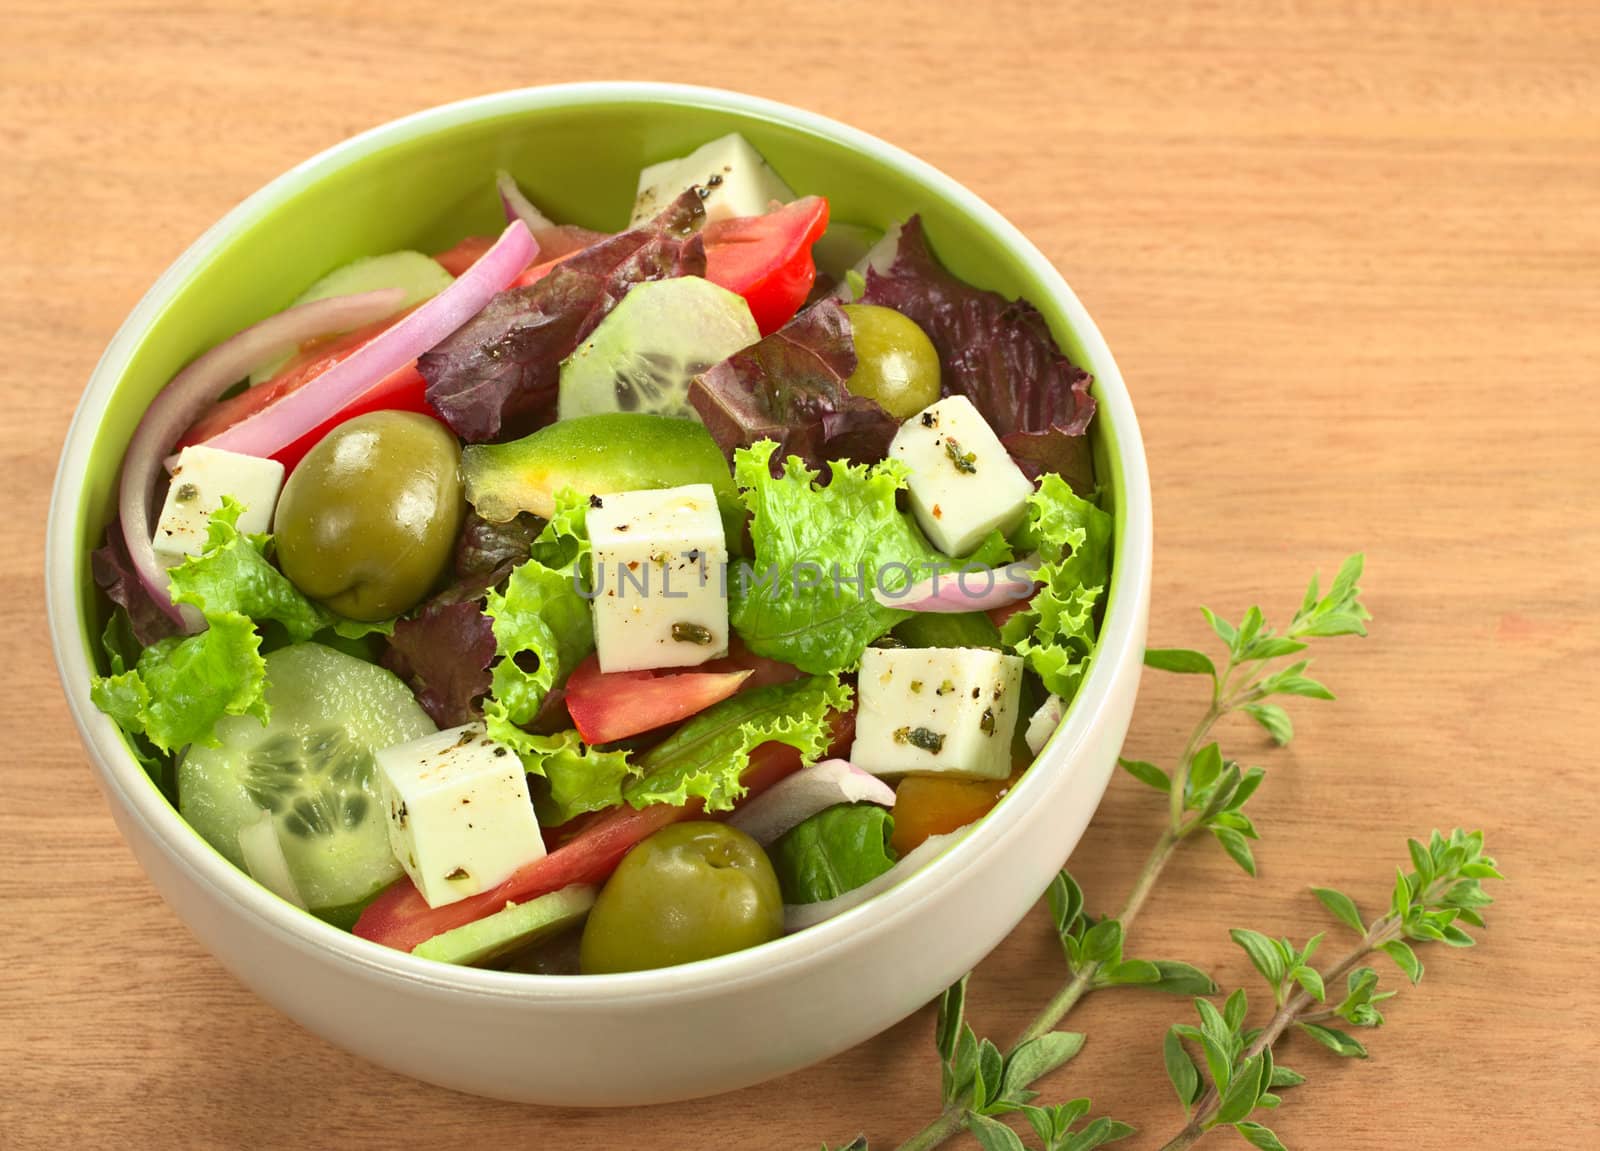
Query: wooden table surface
column 1348, row 256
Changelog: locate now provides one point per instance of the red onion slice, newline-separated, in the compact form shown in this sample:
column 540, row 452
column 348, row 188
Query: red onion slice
column 1042, row 724
column 792, row 801
column 517, row 205
column 275, row 427
column 554, row 240
column 977, row 589
column 196, row 388
column 797, row 916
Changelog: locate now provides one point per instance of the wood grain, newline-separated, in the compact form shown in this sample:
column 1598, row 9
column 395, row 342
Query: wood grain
column 1348, row 255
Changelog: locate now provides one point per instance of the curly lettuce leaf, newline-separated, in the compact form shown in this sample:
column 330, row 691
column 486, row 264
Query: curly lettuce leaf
column 705, row 757
column 577, row 776
column 498, row 374
column 446, row 649
column 542, row 630
column 233, row 574
column 835, row 851
column 564, row 540
column 181, row 687
column 819, row 549
column 1055, row 634
column 999, row 353
column 790, row 388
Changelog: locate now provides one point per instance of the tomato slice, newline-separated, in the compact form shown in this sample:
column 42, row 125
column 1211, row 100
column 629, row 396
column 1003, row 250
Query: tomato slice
column 767, row 259
column 401, row 918
column 402, row 390
column 607, row 706
column 465, row 254
column 999, row 615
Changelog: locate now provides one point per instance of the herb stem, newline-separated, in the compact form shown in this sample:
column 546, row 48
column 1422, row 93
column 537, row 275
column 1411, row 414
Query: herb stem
column 1157, row 861
column 950, row 1121
column 946, row 1124
column 1301, row 1007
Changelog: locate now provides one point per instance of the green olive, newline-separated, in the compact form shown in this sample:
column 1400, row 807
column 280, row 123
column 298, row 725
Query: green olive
column 690, row 891
column 368, row 519
column 896, row 363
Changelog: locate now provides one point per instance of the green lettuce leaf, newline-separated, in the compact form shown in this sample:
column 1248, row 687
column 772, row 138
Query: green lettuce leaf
column 578, row 777
column 542, row 630
column 181, row 686
column 807, row 598
column 835, row 851
column 1056, row 632
column 233, row 574
column 706, row 756
column 564, row 540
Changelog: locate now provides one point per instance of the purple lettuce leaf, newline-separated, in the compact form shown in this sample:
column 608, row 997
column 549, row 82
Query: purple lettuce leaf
column 790, row 387
column 443, row 652
column 484, row 546
column 999, row 353
column 497, row 375
column 113, row 572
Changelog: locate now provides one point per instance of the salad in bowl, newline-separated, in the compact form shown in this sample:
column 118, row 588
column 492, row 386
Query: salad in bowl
column 586, row 602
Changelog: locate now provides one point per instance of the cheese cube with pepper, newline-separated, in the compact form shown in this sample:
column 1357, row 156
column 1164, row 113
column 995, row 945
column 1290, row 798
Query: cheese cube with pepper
column 963, row 483
column 200, row 479
column 734, row 180
column 945, row 710
column 460, row 816
column 659, row 563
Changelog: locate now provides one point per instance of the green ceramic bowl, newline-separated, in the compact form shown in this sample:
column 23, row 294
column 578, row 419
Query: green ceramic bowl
column 423, row 182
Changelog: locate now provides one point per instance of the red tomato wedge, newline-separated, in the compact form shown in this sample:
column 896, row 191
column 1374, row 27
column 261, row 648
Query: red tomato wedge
column 403, row 390
column 401, row 918
column 767, row 259
column 607, row 706
column 999, row 615
column 556, row 243
column 465, row 254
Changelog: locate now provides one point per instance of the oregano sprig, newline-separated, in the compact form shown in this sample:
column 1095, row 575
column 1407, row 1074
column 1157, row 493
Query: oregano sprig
column 1429, row 903
column 1207, row 792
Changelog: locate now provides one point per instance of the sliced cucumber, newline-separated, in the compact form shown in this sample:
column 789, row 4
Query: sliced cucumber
column 311, row 768
column 642, row 356
column 422, row 278
column 515, row 926
column 842, row 247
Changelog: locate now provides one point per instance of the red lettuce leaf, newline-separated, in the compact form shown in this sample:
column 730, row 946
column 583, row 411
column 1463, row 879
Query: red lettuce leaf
column 498, row 374
column 443, row 652
column 999, row 354
column 113, row 572
column 484, row 546
column 790, row 387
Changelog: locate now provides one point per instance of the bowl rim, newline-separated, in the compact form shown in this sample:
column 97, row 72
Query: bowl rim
column 127, row 786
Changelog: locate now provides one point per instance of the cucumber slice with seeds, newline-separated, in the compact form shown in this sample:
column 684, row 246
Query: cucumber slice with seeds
column 311, row 769
column 641, row 357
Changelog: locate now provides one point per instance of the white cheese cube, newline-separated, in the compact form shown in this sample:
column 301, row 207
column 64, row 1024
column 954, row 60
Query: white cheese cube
column 659, row 563
column 945, row 710
column 963, row 482
column 460, row 817
column 199, row 481
column 735, row 179
column 1043, row 723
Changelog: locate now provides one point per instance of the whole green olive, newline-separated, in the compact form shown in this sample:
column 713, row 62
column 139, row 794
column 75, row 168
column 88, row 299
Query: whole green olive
column 896, row 363
column 368, row 518
column 690, row 891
